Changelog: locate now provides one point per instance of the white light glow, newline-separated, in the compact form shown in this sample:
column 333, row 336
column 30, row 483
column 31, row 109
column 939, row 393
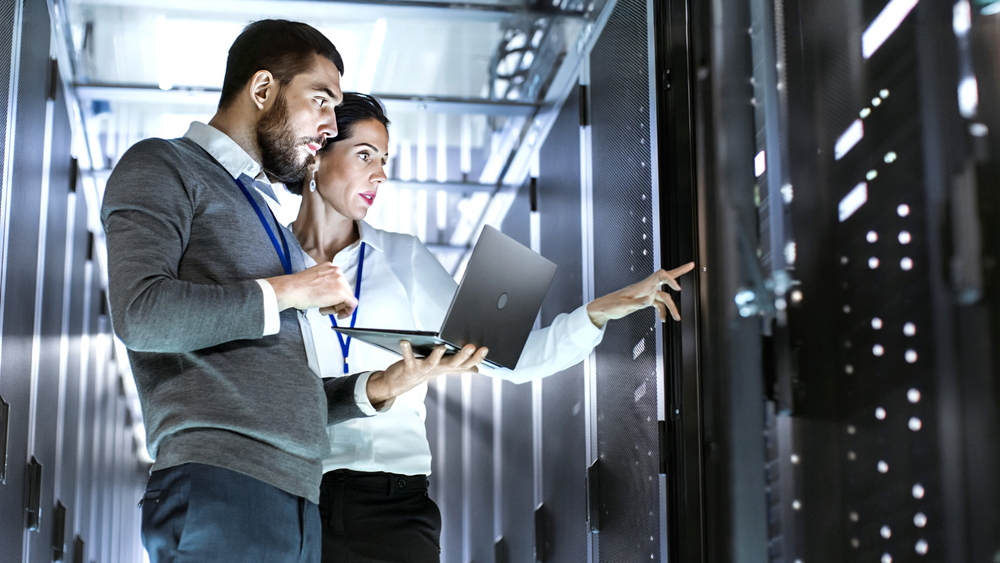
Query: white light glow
column 884, row 25
column 422, row 146
column 790, row 253
column 910, row 356
column 420, row 215
column 905, row 237
column 164, row 68
column 441, row 149
column 848, row 139
column 918, row 491
column 852, row 201
column 873, row 263
column 990, row 9
column 909, row 329
column 890, row 157
column 880, row 412
column 759, row 164
column 872, row 237
column 879, row 350
column 466, row 145
column 903, row 210
column 921, row 547
column 968, row 97
column 915, row 424
column 919, row 520
column 961, row 18
column 871, row 175
column 442, row 210
column 886, row 558
column 372, row 55
column 883, row 467
column 877, row 323
column 906, row 264
column 885, row 532
column 405, row 160
column 787, row 193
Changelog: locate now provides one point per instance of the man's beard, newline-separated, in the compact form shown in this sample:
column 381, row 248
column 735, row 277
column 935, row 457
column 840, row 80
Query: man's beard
column 279, row 148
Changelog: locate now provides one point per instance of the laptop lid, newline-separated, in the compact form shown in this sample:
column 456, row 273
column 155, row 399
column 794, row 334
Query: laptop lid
column 495, row 305
column 499, row 297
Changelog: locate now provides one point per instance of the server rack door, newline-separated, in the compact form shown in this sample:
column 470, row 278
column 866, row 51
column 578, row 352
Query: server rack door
column 90, row 411
column 75, row 389
column 49, row 311
column 564, row 460
column 626, row 363
column 517, row 541
column 450, row 500
column 12, row 390
column 21, row 263
column 478, row 467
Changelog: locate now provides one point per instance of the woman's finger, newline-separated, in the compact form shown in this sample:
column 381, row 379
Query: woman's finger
column 408, row 360
column 667, row 300
column 681, row 270
column 668, row 278
column 435, row 356
column 661, row 309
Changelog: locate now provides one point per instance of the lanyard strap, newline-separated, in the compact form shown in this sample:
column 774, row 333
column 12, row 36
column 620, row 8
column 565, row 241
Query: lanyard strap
column 286, row 256
column 345, row 342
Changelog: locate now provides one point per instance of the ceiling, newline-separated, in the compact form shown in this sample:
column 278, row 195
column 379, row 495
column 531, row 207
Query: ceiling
column 471, row 89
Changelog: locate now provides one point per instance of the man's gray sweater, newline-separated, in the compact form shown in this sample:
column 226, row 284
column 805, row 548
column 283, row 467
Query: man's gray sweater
column 184, row 250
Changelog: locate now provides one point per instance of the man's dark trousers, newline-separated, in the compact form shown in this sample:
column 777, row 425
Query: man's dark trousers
column 202, row 513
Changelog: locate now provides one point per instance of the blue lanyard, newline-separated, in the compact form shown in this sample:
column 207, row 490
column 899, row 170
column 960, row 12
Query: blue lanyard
column 345, row 342
column 286, row 256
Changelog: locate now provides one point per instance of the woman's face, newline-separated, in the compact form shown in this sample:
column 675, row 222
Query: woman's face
column 350, row 172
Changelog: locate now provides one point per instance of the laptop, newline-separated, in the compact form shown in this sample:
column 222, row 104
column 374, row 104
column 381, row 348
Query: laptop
column 495, row 305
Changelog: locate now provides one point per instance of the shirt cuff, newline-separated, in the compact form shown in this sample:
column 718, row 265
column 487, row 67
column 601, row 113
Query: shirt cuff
column 583, row 331
column 361, row 396
column 272, row 316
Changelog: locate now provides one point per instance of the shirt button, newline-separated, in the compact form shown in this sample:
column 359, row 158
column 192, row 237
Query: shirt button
column 401, row 483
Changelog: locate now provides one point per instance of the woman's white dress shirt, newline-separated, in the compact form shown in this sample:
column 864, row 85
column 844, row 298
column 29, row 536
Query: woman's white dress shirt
column 405, row 287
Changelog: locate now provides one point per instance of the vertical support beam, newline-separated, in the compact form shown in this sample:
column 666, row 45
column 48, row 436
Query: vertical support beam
column 587, row 278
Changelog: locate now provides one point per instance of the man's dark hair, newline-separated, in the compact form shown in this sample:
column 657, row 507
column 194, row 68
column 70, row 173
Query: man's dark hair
column 283, row 47
column 354, row 109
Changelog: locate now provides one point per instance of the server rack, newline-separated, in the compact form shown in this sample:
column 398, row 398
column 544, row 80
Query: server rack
column 70, row 474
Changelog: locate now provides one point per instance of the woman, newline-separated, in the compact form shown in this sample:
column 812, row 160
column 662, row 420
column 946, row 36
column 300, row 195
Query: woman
column 373, row 500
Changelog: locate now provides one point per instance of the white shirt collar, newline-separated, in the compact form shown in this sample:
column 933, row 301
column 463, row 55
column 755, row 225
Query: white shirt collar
column 230, row 155
column 371, row 236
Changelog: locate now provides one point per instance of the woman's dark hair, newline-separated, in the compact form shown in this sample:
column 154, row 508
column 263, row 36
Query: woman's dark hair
column 283, row 47
column 355, row 109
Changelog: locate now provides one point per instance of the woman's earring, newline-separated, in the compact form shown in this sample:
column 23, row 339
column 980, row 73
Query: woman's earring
column 312, row 183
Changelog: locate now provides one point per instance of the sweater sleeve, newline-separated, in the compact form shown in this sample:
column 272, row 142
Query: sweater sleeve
column 147, row 214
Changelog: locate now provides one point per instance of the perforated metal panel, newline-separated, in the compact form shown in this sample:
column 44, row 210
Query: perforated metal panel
column 7, row 13
column 623, row 254
column 19, row 285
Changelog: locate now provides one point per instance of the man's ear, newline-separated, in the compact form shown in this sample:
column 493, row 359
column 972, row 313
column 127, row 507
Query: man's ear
column 263, row 87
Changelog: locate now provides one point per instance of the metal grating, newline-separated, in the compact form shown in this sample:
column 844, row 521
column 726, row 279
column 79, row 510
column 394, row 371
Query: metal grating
column 623, row 254
column 7, row 13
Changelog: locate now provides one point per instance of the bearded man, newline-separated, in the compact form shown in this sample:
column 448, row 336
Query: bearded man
column 204, row 285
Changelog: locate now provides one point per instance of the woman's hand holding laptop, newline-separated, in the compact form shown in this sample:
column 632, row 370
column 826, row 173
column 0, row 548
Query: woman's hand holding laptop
column 411, row 371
